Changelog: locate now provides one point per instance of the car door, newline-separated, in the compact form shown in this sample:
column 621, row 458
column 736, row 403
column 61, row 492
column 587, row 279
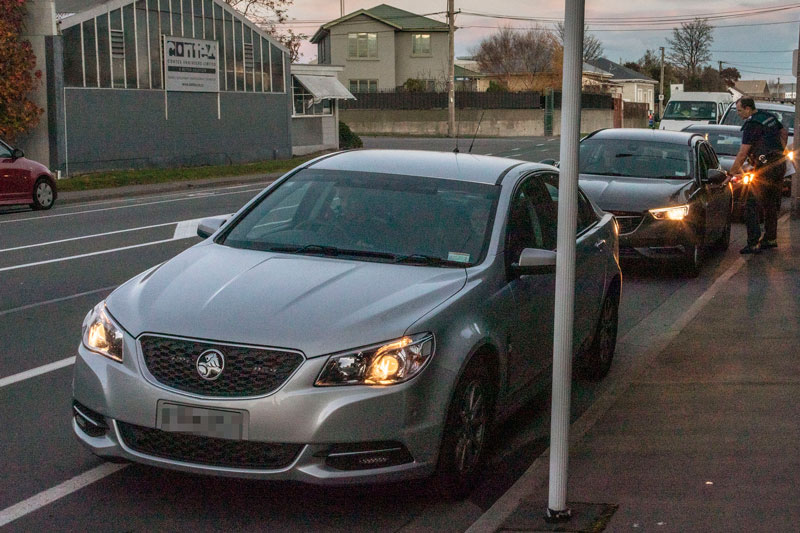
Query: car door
column 13, row 183
column 530, row 224
column 716, row 199
column 591, row 252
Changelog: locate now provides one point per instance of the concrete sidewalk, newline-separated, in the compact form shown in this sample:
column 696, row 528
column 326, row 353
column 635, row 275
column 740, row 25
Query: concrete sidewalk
column 703, row 433
column 156, row 188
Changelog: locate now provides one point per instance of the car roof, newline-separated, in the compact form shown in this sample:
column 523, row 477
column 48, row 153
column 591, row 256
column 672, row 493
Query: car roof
column 644, row 134
column 703, row 128
column 774, row 105
column 449, row 165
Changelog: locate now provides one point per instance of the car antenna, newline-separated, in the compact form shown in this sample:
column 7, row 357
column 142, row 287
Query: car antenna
column 476, row 133
column 458, row 130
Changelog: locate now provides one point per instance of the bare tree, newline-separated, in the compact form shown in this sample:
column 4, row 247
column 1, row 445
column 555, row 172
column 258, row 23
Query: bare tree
column 690, row 46
column 592, row 47
column 521, row 55
column 268, row 14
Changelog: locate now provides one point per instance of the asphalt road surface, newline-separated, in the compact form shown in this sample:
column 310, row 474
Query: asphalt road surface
column 55, row 265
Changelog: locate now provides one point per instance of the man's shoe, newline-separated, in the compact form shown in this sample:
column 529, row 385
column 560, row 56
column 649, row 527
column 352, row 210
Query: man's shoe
column 750, row 250
column 768, row 244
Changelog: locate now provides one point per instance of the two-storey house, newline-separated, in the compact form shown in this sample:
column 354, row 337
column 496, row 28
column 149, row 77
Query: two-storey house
column 383, row 47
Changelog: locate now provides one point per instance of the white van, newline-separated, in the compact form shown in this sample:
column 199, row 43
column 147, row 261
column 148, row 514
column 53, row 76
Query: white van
column 686, row 109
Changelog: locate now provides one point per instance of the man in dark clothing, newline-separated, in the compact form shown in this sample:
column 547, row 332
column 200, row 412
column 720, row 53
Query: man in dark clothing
column 763, row 143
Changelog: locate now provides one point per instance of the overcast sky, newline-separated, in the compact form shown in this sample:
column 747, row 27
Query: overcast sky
column 759, row 52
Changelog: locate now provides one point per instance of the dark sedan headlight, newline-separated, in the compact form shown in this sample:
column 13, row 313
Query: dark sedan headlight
column 679, row 212
column 383, row 364
column 101, row 334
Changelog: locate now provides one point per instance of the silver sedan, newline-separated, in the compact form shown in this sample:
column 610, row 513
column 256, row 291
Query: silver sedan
column 368, row 317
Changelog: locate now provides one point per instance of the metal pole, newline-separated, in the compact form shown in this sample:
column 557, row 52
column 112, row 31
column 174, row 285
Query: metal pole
column 661, row 88
column 557, row 509
column 795, row 191
column 451, row 71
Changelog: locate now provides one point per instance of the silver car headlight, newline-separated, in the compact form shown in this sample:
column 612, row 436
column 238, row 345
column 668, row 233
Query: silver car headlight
column 101, row 334
column 382, row 364
column 679, row 212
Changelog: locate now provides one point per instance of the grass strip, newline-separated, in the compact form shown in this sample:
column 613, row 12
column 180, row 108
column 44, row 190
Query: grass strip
column 119, row 178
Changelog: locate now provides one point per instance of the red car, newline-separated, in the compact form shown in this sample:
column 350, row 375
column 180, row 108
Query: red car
column 23, row 181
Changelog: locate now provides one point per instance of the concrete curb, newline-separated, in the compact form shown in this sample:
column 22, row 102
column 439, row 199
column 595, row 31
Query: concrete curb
column 537, row 474
column 73, row 197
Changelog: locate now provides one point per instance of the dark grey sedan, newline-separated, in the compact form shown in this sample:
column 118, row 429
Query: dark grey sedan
column 364, row 319
column 667, row 190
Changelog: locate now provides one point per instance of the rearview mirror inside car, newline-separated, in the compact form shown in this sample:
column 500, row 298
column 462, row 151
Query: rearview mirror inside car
column 535, row 261
column 716, row 176
column 208, row 226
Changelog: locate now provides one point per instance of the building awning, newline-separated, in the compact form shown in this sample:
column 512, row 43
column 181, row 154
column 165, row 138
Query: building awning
column 323, row 87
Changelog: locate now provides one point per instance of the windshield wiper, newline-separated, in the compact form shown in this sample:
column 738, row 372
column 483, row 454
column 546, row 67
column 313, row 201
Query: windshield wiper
column 429, row 260
column 332, row 251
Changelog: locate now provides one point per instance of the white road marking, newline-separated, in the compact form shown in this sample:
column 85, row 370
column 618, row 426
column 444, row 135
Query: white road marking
column 101, row 252
column 155, row 196
column 89, row 236
column 515, row 149
column 488, row 153
column 114, row 208
column 36, row 502
column 540, row 144
column 56, row 300
column 33, row 372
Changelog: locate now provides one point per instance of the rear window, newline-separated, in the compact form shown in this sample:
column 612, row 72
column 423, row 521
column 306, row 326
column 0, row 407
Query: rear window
column 724, row 142
column 635, row 159
column 677, row 110
column 786, row 118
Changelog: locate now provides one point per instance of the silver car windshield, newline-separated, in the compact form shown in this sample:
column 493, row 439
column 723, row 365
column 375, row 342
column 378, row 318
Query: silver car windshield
column 635, row 159
column 371, row 217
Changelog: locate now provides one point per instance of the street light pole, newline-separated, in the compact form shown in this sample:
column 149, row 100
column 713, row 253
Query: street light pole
column 557, row 509
column 795, row 190
column 661, row 88
column 451, row 71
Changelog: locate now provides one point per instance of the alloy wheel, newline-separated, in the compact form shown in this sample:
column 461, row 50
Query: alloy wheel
column 472, row 427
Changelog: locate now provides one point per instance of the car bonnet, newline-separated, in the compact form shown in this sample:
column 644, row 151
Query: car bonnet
column 635, row 194
column 317, row 305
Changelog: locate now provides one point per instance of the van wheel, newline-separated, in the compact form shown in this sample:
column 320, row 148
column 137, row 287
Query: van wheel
column 465, row 433
column 595, row 365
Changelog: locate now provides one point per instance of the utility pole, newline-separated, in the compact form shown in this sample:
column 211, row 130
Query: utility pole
column 661, row 88
column 720, row 66
column 451, row 71
column 795, row 190
column 341, row 7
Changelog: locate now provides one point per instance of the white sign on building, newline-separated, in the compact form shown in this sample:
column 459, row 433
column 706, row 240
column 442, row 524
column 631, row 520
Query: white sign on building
column 191, row 65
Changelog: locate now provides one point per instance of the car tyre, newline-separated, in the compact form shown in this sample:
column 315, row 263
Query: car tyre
column 465, row 434
column 724, row 241
column 596, row 362
column 693, row 260
column 43, row 195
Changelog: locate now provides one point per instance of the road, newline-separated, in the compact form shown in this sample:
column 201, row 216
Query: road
column 55, row 265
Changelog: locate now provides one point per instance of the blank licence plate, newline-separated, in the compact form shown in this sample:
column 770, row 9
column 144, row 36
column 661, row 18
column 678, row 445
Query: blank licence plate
column 216, row 423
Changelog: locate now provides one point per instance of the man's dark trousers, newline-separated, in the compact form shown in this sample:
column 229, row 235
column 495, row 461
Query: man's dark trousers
column 765, row 192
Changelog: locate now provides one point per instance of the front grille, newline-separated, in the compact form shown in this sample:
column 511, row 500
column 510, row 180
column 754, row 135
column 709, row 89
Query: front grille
column 246, row 372
column 206, row 450
column 628, row 221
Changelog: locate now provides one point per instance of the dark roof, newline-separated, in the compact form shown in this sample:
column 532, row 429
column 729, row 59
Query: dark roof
column 618, row 71
column 464, row 167
column 76, row 6
column 399, row 19
column 644, row 134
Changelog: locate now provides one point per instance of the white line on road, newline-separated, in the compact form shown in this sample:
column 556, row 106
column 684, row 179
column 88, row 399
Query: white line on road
column 55, row 301
column 118, row 207
column 540, row 145
column 88, row 236
column 33, row 372
column 155, row 196
column 36, row 502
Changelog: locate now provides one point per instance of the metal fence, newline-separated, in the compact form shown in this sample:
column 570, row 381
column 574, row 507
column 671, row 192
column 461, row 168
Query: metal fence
column 438, row 100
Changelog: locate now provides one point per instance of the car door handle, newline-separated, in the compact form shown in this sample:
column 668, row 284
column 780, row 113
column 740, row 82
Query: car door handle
column 600, row 244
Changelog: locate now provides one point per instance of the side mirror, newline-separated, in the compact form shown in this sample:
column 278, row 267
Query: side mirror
column 16, row 153
column 208, row 226
column 535, row 261
column 716, row 176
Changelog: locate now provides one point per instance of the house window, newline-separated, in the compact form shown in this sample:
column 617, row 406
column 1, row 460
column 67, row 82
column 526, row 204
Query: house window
column 363, row 86
column 639, row 95
column 421, row 44
column 362, row 45
column 304, row 102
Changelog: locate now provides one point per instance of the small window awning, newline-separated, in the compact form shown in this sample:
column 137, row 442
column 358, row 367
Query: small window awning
column 323, row 87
